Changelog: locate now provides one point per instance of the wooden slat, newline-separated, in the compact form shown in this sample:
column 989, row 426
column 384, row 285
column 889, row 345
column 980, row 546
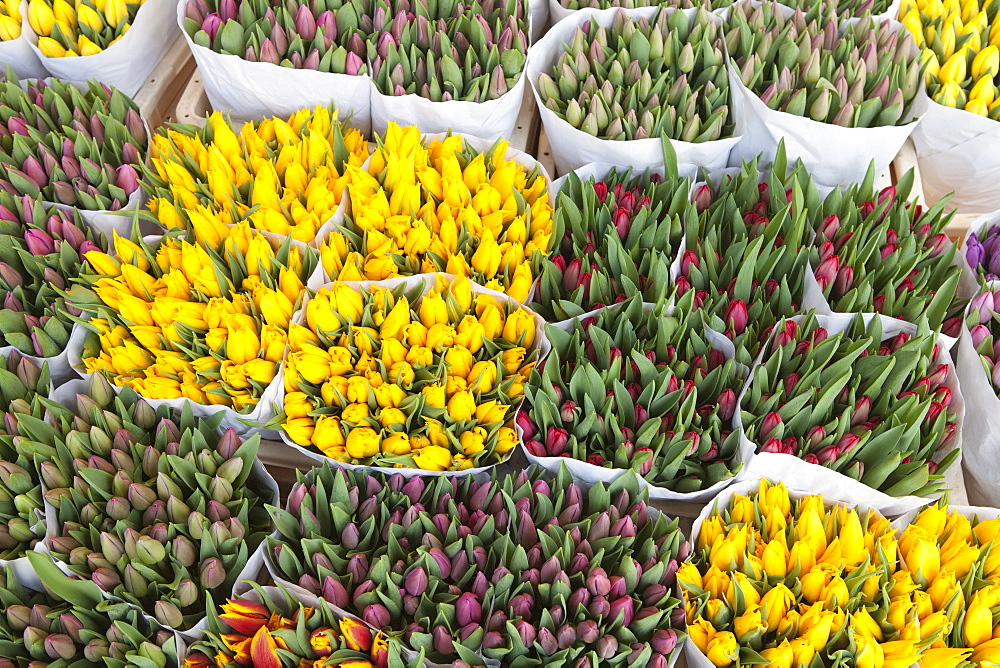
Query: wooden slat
column 158, row 96
column 193, row 104
column 544, row 153
column 525, row 137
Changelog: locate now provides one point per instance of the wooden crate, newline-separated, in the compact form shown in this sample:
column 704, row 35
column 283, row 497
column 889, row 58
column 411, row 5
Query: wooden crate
column 193, row 104
column 158, row 97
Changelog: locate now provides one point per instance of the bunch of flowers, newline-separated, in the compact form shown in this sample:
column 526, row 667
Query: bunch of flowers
column 615, row 392
column 80, row 27
column 520, row 569
column 285, row 177
column 41, row 250
column 272, row 628
column 664, row 77
column 472, row 50
column 388, row 377
column 10, row 20
column 635, row 4
column 443, row 206
column 872, row 406
column 878, row 252
column 982, row 250
column 954, row 572
column 746, row 256
column 959, row 41
column 984, row 326
column 208, row 324
column 792, row 582
column 863, row 74
column 75, row 147
column 153, row 507
column 22, row 383
column 323, row 35
column 618, row 237
column 69, row 624
column 842, row 9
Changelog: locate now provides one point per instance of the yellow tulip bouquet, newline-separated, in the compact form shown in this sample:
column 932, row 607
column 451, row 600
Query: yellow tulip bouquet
column 10, row 20
column 955, row 578
column 960, row 43
column 394, row 377
column 80, row 27
column 443, row 205
column 789, row 580
column 204, row 323
column 284, row 177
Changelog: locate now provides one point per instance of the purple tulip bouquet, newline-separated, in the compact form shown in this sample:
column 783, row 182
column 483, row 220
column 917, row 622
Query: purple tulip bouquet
column 523, row 567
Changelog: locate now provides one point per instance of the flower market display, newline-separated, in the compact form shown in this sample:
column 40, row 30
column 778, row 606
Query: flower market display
column 519, row 568
column 207, row 323
column 790, row 580
column 618, row 235
column 443, row 205
column 614, row 392
column 283, row 177
column 80, row 28
column 868, row 403
column 643, row 78
column 260, row 622
column 164, row 512
column 68, row 624
column 22, row 385
column 865, row 74
column 42, row 250
column 70, row 146
column 396, row 377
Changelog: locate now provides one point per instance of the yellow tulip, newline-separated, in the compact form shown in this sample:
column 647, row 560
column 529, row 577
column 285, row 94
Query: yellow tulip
column 440, row 337
column 461, row 407
column 946, row 657
column 781, row 656
column 689, row 576
column 749, row 624
column 89, row 17
column 300, row 430
column 40, row 17
column 701, row 633
column 978, row 625
column 328, row 434
column 723, row 649
column 869, row 653
column 396, row 444
column 775, row 559
column 51, row 48
column 520, row 324
column 776, row 603
column 363, row 442
column 433, row 458
column 433, row 310
column 10, row 27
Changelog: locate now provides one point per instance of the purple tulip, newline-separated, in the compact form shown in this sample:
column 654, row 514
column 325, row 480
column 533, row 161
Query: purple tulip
column 468, row 610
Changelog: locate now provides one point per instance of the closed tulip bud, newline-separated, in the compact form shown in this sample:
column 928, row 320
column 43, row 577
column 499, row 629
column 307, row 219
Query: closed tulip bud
column 212, row 574
column 334, row 592
column 526, row 632
column 416, row 582
column 468, row 609
column 377, row 616
column 60, row 646
column 442, row 641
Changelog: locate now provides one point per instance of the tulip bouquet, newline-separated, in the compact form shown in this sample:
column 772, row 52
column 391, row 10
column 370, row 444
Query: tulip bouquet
column 327, row 36
column 635, row 4
column 615, row 392
column 10, row 20
column 391, row 377
column 70, row 625
column 475, row 52
column 787, row 580
column 22, row 383
column 954, row 574
column 983, row 321
column 864, row 74
column 523, row 569
column 271, row 628
column 982, row 250
column 204, row 323
column 877, row 251
column 69, row 146
column 746, row 257
column 80, row 28
column 872, row 405
column 618, row 236
column 842, row 9
column 443, row 205
column 959, row 41
column 41, row 250
column 664, row 77
column 154, row 507
column 283, row 177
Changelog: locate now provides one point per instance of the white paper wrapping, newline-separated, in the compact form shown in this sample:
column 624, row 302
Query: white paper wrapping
column 834, row 155
column 574, row 148
column 18, row 55
column 60, row 367
column 249, row 91
column 490, row 120
column 968, row 287
column 958, row 151
column 427, row 281
column 127, row 63
column 591, row 474
column 259, row 477
column 790, row 468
